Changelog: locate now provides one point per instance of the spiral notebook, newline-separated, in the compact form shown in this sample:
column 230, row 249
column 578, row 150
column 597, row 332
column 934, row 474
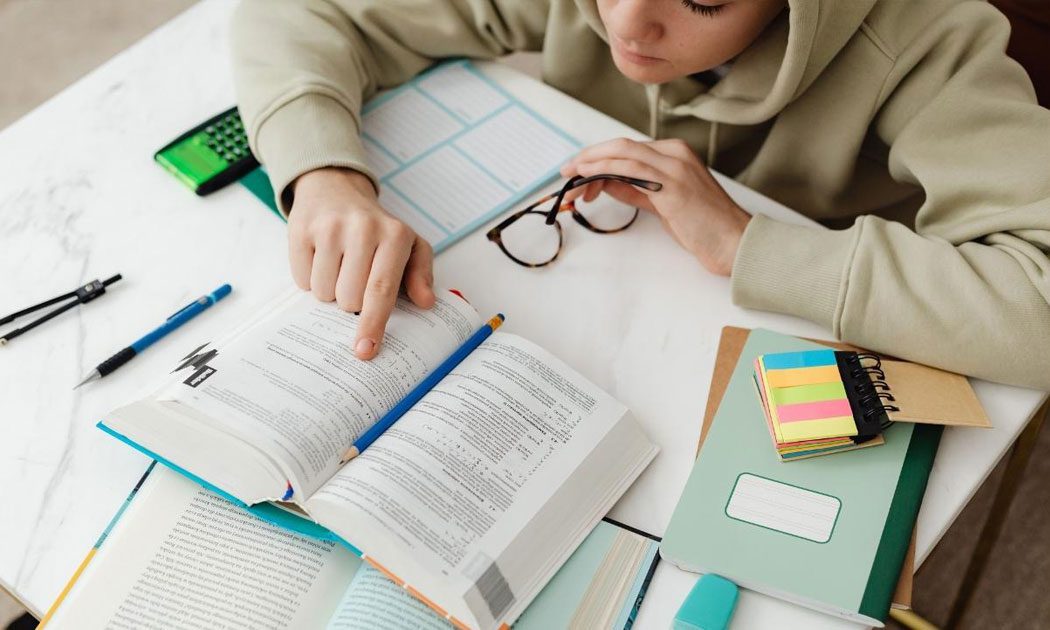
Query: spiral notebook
column 818, row 402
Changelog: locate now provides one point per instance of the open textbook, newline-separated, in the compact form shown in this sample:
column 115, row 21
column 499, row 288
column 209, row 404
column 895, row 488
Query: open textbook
column 178, row 556
column 472, row 501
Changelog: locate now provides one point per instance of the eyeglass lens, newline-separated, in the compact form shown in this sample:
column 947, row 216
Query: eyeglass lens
column 530, row 240
column 605, row 214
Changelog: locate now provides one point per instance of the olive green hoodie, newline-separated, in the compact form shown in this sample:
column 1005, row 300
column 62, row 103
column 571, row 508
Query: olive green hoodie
column 900, row 124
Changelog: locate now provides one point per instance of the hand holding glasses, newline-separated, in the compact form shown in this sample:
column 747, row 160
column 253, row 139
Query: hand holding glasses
column 533, row 237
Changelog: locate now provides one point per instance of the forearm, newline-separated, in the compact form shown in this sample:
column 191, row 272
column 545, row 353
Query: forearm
column 303, row 69
column 966, row 286
column 980, row 309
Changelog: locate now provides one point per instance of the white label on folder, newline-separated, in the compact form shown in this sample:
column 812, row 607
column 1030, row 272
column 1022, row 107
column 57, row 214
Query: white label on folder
column 784, row 508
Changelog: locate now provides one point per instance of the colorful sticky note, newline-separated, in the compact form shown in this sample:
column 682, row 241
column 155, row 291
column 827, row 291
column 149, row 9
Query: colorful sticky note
column 790, row 360
column 803, row 376
column 816, row 410
column 812, row 429
column 808, row 393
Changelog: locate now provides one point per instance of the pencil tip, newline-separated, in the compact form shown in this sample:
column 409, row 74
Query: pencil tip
column 350, row 454
column 87, row 379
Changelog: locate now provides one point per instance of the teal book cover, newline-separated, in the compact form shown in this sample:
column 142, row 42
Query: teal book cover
column 829, row 533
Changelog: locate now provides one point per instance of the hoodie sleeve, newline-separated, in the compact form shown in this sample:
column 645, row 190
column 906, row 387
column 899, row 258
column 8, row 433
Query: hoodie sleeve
column 302, row 68
column 968, row 289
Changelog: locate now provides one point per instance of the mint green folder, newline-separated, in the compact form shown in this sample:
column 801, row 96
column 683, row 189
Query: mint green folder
column 829, row 533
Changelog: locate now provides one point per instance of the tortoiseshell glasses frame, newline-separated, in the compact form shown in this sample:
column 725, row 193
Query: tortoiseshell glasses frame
column 551, row 215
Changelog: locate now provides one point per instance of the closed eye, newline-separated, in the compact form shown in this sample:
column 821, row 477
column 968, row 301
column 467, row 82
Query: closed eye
column 706, row 10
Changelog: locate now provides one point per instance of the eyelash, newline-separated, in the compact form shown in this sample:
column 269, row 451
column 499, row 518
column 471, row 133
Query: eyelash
column 703, row 9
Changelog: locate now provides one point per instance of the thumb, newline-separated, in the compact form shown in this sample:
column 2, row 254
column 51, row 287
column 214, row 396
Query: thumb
column 419, row 274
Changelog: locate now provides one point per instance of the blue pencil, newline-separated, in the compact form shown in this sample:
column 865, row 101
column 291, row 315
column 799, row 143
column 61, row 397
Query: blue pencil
column 180, row 317
column 432, row 379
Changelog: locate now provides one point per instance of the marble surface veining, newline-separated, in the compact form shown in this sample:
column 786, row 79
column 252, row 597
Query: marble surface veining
column 80, row 198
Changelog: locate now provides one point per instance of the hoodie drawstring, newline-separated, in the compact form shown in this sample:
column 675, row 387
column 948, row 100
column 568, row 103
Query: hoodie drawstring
column 712, row 143
column 653, row 92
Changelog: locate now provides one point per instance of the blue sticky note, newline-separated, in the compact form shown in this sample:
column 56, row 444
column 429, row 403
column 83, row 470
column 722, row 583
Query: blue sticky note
column 791, row 360
column 709, row 605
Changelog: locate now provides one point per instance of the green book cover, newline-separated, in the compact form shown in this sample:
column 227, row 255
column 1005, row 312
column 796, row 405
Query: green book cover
column 829, row 533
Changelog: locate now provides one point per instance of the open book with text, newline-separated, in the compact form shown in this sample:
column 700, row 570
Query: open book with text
column 177, row 556
column 471, row 502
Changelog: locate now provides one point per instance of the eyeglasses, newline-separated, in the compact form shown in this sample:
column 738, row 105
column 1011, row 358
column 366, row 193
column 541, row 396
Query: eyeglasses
column 533, row 238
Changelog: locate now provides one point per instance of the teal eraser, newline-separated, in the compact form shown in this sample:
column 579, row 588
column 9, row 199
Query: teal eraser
column 708, row 606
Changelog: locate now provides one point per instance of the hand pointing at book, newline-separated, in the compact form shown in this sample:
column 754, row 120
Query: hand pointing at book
column 343, row 246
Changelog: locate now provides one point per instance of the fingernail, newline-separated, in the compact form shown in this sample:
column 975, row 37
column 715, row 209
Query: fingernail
column 364, row 346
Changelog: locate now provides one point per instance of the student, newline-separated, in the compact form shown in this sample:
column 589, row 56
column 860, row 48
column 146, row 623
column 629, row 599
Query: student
column 901, row 125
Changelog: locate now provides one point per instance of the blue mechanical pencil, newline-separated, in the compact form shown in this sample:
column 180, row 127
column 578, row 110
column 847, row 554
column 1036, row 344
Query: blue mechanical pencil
column 184, row 315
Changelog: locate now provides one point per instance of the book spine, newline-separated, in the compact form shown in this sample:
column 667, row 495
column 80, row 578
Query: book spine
column 167, row 462
column 94, row 549
column 900, row 521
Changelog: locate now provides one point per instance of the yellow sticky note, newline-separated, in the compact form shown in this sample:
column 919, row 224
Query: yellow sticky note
column 803, row 376
column 815, row 429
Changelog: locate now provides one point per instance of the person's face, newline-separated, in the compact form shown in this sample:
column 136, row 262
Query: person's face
column 655, row 41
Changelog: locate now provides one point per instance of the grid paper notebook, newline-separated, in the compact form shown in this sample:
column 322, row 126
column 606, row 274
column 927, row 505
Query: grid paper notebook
column 452, row 150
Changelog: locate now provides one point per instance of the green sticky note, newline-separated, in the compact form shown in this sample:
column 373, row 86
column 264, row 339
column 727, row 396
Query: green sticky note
column 808, row 393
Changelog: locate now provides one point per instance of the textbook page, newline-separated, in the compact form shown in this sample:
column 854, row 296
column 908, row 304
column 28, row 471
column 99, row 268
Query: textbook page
column 452, row 149
column 373, row 602
column 181, row 557
column 292, row 386
column 440, row 497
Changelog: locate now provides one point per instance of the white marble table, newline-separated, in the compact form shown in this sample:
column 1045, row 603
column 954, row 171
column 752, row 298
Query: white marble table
column 80, row 198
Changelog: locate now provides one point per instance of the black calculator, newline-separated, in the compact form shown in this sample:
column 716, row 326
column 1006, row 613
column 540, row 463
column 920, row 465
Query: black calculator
column 211, row 155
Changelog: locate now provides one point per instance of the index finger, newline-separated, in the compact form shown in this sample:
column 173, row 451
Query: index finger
column 622, row 148
column 384, row 282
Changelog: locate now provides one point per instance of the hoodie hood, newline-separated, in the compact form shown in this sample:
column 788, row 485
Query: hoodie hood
column 777, row 67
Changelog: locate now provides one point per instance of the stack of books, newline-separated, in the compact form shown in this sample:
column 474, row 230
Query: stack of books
column 829, row 533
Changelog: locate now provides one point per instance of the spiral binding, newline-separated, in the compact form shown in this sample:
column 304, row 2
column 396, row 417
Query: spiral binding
column 872, row 390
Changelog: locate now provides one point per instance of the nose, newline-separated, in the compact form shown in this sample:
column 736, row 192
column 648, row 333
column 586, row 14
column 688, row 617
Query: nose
column 633, row 21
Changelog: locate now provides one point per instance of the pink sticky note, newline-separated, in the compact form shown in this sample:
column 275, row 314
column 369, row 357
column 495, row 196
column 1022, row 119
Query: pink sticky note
column 814, row 410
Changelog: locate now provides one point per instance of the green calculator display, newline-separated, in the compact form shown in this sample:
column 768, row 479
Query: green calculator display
column 211, row 155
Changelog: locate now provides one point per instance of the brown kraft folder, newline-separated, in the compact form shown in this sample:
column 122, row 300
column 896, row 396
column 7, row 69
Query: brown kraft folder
column 730, row 346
